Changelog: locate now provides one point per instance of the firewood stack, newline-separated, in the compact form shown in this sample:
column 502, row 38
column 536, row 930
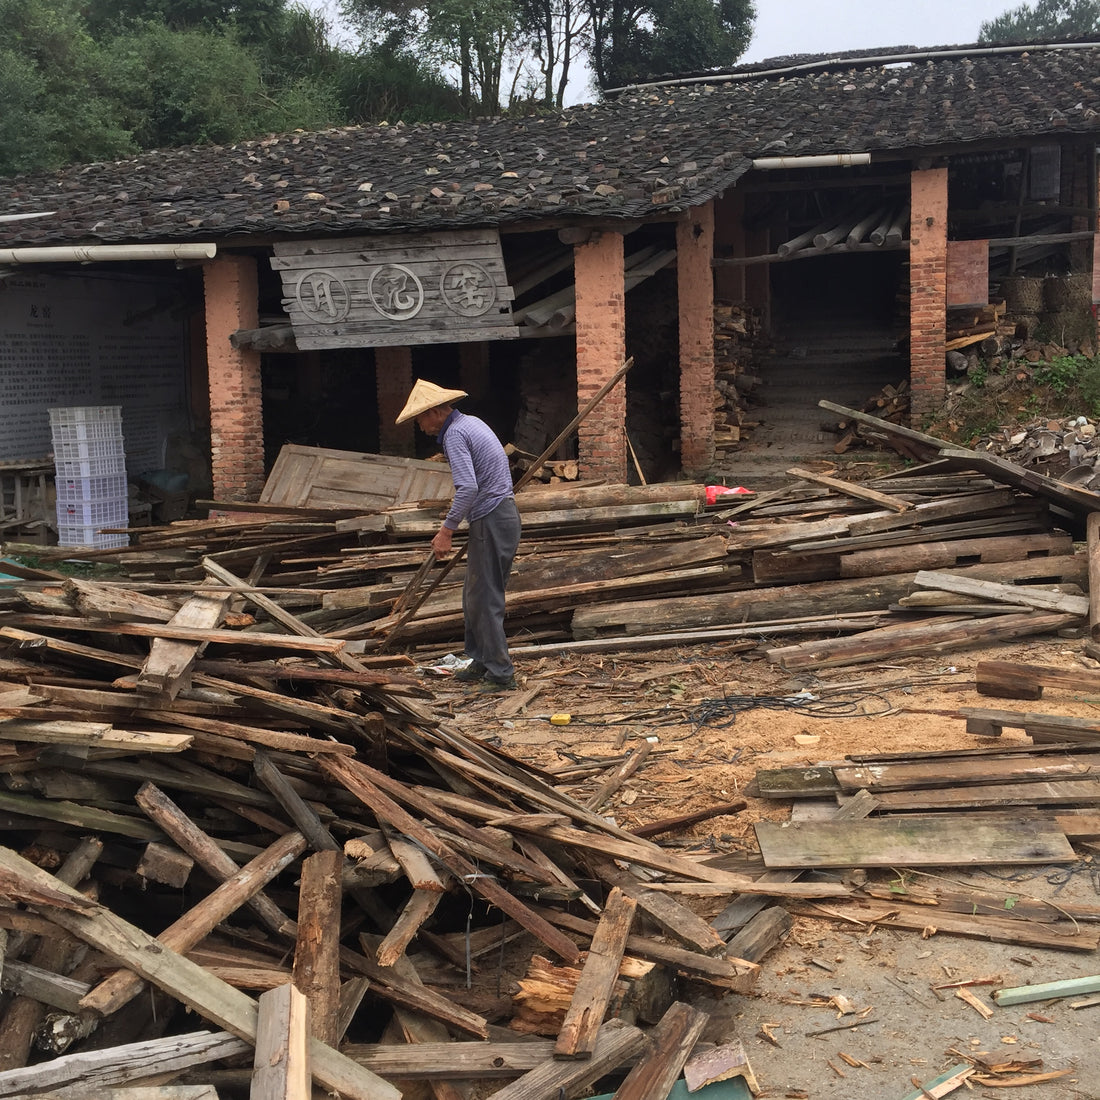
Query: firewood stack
column 736, row 332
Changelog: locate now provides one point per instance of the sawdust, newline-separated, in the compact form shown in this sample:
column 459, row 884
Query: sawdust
column 710, row 740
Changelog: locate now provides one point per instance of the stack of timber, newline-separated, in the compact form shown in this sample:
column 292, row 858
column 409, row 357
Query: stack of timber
column 237, row 860
column 736, row 335
column 600, row 564
column 971, row 330
column 1005, row 803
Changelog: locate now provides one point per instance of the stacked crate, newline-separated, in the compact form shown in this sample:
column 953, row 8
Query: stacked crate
column 90, row 462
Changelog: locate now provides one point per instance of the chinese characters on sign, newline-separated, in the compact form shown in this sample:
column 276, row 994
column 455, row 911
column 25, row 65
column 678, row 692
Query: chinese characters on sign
column 364, row 292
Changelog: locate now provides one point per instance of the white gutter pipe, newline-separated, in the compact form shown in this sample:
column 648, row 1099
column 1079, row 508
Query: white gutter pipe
column 822, row 160
column 103, row 253
column 24, row 217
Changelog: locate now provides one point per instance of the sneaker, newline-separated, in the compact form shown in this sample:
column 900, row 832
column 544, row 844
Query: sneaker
column 471, row 674
column 491, row 683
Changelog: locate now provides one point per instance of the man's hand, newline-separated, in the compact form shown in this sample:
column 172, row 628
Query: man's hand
column 441, row 544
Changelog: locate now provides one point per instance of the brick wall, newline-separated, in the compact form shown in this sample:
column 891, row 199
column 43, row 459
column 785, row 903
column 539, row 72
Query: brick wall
column 236, row 396
column 394, row 382
column 601, row 350
column 927, row 290
column 695, row 294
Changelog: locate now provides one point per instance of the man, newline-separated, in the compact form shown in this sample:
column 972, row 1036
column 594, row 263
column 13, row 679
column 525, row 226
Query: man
column 483, row 497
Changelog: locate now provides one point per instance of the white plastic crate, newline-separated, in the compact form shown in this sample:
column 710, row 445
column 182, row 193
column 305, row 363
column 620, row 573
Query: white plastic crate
column 91, row 429
column 105, row 466
column 90, row 538
column 86, row 414
column 75, row 449
column 110, row 487
column 100, row 513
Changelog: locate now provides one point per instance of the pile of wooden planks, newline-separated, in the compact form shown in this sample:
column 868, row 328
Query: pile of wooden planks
column 197, row 814
column 891, row 403
column 1011, row 803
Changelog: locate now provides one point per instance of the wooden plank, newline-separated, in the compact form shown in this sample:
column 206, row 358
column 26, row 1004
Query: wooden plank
column 1092, row 542
column 119, row 1065
column 92, row 735
column 579, row 1030
column 1047, row 991
column 997, row 677
column 989, row 590
column 677, row 920
column 317, row 948
column 915, row 841
column 1066, row 792
column 977, row 770
column 850, row 489
column 616, row 1045
column 1056, row 726
column 280, row 1067
column 879, row 645
column 187, row 982
column 670, row 1046
column 1065, row 935
column 167, row 669
column 452, row 1060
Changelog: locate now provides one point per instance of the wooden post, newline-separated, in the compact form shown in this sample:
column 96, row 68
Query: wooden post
column 577, row 1038
column 317, row 952
column 1092, row 534
column 281, row 1065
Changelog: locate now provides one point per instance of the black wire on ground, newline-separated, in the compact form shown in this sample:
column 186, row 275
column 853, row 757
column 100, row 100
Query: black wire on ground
column 722, row 713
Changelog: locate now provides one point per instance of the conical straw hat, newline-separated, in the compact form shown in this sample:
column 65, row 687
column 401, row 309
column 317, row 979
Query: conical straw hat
column 425, row 396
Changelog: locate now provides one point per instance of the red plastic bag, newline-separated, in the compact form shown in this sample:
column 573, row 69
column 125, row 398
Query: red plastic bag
column 716, row 491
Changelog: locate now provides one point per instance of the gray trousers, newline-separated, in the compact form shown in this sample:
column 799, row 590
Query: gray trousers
column 491, row 547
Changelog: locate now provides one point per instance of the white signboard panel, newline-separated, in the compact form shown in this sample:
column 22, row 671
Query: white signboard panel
column 90, row 341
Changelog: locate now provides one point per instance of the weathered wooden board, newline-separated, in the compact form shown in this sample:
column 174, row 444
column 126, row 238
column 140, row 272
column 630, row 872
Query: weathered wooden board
column 915, row 841
column 427, row 288
column 981, row 770
column 1063, row 792
column 320, row 477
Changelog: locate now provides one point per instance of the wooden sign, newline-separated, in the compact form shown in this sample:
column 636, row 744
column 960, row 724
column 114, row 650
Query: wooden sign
column 434, row 288
column 967, row 273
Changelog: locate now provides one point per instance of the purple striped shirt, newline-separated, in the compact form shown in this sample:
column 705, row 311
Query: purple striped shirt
column 479, row 468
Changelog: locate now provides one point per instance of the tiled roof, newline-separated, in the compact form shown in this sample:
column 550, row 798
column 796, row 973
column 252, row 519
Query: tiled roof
column 645, row 151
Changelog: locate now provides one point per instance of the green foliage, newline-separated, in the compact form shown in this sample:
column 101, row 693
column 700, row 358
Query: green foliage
column 195, row 86
column 1043, row 19
column 635, row 42
column 391, row 85
column 55, row 110
column 1059, row 374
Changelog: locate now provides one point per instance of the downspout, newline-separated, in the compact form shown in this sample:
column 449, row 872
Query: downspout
column 103, row 253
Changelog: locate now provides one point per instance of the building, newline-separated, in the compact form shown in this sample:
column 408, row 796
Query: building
column 290, row 288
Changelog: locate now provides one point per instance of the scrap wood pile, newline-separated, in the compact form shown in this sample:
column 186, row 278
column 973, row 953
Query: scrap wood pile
column 276, row 811
column 1007, row 803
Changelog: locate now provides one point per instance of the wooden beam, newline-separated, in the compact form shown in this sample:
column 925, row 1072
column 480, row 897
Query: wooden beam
column 580, row 1028
column 670, row 1045
column 280, row 1068
column 317, row 951
column 190, row 983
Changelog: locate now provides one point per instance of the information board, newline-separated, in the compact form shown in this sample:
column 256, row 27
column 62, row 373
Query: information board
column 100, row 340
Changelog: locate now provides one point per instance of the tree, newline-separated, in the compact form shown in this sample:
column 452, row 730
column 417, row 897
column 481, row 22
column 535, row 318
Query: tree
column 55, row 109
column 473, row 38
column 636, row 40
column 1044, row 19
column 557, row 30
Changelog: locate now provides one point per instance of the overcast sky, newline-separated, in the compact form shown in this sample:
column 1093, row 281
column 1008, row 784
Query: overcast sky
column 820, row 26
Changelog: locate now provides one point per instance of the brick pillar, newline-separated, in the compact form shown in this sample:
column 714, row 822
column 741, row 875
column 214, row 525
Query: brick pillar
column 393, row 382
column 695, row 295
column 927, row 291
column 231, row 288
column 601, row 350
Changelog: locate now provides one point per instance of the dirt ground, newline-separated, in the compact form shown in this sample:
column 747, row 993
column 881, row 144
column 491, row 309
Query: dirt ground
column 719, row 717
